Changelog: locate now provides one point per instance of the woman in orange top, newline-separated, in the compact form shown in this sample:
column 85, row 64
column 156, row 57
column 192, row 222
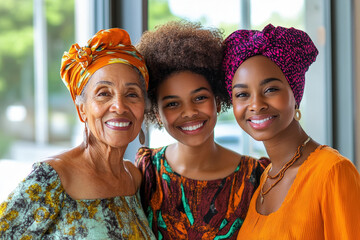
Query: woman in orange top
column 309, row 191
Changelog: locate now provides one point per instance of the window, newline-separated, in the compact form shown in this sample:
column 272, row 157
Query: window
column 38, row 118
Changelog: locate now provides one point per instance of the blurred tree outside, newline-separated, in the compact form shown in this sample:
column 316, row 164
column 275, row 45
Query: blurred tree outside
column 159, row 13
column 17, row 64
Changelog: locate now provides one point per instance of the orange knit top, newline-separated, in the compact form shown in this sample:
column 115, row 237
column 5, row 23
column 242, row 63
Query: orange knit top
column 322, row 203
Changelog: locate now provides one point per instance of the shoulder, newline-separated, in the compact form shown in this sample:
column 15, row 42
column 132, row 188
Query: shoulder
column 252, row 168
column 143, row 152
column 253, row 163
column 326, row 158
column 34, row 204
column 63, row 166
column 263, row 162
column 331, row 168
column 38, row 188
column 42, row 172
column 43, row 178
column 145, row 155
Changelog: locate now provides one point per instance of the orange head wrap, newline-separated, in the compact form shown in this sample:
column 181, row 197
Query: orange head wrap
column 105, row 47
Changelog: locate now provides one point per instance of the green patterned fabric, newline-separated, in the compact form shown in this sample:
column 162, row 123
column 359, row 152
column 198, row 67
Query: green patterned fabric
column 178, row 207
column 39, row 208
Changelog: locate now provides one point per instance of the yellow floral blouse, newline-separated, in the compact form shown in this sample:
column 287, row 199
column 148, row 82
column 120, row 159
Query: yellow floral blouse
column 39, row 208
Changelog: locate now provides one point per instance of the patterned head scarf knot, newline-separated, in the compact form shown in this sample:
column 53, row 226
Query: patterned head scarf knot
column 105, row 47
column 291, row 49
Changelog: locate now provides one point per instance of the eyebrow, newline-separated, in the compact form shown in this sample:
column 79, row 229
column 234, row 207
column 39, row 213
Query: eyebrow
column 112, row 84
column 200, row 89
column 169, row 97
column 263, row 82
column 104, row 82
column 133, row 84
column 192, row 92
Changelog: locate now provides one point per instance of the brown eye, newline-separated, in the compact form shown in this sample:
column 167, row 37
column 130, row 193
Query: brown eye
column 103, row 94
column 241, row 95
column 133, row 95
column 171, row 105
column 200, row 98
column 271, row 89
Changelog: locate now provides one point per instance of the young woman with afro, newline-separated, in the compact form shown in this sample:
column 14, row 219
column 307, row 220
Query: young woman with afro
column 194, row 188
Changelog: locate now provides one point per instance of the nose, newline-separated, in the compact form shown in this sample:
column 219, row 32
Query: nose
column 189, row 111
column 257, row 104
column 118, row 105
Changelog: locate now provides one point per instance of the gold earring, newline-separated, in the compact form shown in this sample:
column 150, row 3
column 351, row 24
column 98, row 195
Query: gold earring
column 142, row 137
column 86, row 136
column 297, row 115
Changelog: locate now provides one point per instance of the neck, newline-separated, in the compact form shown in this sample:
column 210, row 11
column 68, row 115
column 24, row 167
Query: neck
column 103, row 158
column 194, row 157
column 282, row 148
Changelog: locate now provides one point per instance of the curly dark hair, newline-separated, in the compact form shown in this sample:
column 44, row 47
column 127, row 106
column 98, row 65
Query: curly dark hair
column 183, row 46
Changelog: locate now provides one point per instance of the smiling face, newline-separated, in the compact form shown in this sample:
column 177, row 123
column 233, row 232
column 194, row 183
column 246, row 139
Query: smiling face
column 114, row 104
column 187, row 108
column 263, row 102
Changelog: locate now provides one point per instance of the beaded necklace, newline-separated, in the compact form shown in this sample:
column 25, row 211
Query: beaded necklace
column 282, row 171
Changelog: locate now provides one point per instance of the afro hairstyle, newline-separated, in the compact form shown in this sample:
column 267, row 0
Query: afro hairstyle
column 179, row 46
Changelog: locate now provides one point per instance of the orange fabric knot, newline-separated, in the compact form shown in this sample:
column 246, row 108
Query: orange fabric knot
column 83, row 55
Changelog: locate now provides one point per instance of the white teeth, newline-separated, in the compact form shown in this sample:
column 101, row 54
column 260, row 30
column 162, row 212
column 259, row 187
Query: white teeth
column 119, row 124
column 192, row 128
column 261, row 121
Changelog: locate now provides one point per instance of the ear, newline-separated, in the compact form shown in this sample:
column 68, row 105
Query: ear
column 82, row 112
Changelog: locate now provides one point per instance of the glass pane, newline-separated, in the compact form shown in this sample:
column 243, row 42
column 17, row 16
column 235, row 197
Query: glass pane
column 16, row 88
column 277, row 12
column 60, row 18
column 16, row 73
column 19, row 146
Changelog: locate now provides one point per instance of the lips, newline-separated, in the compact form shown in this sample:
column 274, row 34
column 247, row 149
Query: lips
column 260, row 122
column 192, row 127
column 118, row 124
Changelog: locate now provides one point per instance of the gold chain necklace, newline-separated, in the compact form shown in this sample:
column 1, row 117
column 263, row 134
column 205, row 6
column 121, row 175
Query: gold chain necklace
column 282, row 171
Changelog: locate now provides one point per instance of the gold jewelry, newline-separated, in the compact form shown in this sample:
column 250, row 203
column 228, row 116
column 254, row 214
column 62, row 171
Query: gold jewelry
column 282, row 171
column 297, row 115
column 142, row 137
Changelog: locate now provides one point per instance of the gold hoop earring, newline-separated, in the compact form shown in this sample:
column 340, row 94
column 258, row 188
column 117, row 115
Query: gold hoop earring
column 142, row 137
column 297, row 115
column 86, row 136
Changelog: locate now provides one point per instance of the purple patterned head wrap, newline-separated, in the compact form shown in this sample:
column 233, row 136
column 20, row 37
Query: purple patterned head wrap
column 291, row 49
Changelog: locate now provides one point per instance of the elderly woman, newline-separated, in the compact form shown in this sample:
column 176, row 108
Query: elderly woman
column 90, row 191
column 309, row 191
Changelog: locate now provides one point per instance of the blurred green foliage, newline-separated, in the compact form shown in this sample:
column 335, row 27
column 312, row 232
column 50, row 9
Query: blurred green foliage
column 17, row 53
column 17, row 45
column 159, row 13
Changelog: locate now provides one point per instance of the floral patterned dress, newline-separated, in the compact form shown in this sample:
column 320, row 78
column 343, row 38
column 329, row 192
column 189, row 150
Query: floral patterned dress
column 39, row 208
